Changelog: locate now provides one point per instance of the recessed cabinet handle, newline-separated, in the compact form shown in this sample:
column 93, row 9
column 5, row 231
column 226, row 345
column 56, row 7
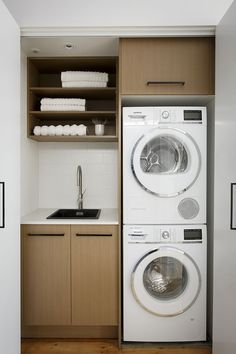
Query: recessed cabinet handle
column 46, row 234
column 91, row 235
column 165, row 83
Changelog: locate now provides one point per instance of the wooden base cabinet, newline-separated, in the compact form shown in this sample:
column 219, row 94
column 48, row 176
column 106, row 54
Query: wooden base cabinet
column 94, row 259
column 46, row 275
column 70, row 280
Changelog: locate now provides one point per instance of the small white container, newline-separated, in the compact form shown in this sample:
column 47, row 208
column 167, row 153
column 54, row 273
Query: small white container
column 99, row 129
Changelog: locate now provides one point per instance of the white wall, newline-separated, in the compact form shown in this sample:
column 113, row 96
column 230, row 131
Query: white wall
column 224, row 309
column 117, row 13
column 57, row 174
column 9, row 173
column 29, row 152
column 210, row 209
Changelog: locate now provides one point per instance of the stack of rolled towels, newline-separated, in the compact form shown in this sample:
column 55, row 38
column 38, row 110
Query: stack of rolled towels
column 58, row 130
column 62, row 104
column 84, row 79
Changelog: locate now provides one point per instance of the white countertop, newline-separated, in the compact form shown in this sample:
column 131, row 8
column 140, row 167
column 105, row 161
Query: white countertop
column 39, row 216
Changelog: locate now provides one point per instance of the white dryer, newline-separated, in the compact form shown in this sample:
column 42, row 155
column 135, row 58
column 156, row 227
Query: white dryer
column 164, row 283
column 164, row 165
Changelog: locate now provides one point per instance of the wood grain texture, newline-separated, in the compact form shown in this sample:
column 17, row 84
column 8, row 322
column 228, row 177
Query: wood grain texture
column 69, row 332
column 104, row 347
column 94, row 275
column 167, row 59
column 46, row 275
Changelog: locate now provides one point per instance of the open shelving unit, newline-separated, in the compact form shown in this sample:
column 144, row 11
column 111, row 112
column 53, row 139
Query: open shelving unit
column 44, row 80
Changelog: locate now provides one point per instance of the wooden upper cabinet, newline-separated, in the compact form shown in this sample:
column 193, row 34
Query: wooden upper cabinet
column 46, row 275
column 94, row 262
column 167, row 66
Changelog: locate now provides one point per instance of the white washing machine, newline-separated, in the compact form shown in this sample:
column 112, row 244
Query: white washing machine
column 164, row 165
column 164, row 283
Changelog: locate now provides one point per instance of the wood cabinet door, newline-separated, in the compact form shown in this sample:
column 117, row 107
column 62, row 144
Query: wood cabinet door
column 46, row 275
column 180, row 66
column 94, row 252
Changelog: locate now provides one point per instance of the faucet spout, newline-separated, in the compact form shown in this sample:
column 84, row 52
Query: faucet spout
column 80, row 187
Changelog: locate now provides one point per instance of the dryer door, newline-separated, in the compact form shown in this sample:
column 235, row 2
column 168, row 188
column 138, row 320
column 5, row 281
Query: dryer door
column 166, row 162
column 166, row 281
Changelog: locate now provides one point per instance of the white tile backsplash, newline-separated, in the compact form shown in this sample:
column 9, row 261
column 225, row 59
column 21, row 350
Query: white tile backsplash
column 57, row 174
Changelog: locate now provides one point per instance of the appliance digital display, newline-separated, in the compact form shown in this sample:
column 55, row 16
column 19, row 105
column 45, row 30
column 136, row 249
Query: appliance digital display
column 192, row 115
column 192, row 234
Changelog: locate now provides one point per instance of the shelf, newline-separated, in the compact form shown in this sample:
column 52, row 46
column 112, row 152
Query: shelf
column 44, row 80
column 84, row 92
column 72, row 114
column 89, row 138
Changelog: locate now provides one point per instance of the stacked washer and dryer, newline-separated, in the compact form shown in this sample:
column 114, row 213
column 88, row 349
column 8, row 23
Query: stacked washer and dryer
column 164, row 224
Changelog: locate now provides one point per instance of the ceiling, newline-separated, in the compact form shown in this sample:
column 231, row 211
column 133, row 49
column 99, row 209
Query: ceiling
column 73, row 13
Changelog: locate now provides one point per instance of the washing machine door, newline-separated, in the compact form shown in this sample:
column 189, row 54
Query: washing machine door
column 166, row 281
column 166, row 161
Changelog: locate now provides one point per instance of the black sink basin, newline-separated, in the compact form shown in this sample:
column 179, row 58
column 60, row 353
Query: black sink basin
column 75, row 214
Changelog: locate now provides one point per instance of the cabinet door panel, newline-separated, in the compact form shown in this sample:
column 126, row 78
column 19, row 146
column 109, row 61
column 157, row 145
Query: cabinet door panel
column 172, row 60
column 94, row 251
column 46, row 275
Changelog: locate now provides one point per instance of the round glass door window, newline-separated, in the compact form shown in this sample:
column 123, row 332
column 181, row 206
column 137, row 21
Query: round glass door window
column 165, row 278
column 166, row 281
column 166, row 162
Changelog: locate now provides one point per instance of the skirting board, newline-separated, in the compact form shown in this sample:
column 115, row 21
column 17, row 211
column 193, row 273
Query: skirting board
column 70, row 332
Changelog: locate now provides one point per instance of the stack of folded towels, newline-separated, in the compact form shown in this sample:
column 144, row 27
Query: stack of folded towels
column 84, row 79
column 62, row 104
column 58, row 130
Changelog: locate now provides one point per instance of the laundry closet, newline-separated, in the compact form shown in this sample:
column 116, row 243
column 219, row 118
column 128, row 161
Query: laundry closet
column 153, row 157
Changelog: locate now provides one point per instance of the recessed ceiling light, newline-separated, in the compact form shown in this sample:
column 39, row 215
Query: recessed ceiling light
column 69, row 46
column 35, row 50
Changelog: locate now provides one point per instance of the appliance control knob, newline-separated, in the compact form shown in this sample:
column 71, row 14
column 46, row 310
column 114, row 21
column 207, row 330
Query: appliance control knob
column 165, row 235
column 165, row 114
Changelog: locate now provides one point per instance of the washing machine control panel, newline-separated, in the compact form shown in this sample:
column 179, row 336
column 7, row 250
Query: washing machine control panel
column 171, row 234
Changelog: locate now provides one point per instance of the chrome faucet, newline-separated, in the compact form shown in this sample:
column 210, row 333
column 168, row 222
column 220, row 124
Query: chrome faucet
column 80, row 188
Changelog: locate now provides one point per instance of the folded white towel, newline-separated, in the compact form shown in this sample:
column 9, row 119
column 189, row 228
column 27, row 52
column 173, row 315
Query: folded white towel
column 63, row 101
column 84, row 76
column 61, row 107
column 59, row 130
column 37, row 130
column 44, row 130
column 84, row 84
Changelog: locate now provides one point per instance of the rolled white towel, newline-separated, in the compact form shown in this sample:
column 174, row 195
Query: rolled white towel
column 66, row 130
column 84, row 84
column 59, row 130
column 84, row 76
column 82, row 129
column 63, row 101
column 74, row 129
column 61, row 107
column 44, row 130
column 51, row 130
column 37, row 130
